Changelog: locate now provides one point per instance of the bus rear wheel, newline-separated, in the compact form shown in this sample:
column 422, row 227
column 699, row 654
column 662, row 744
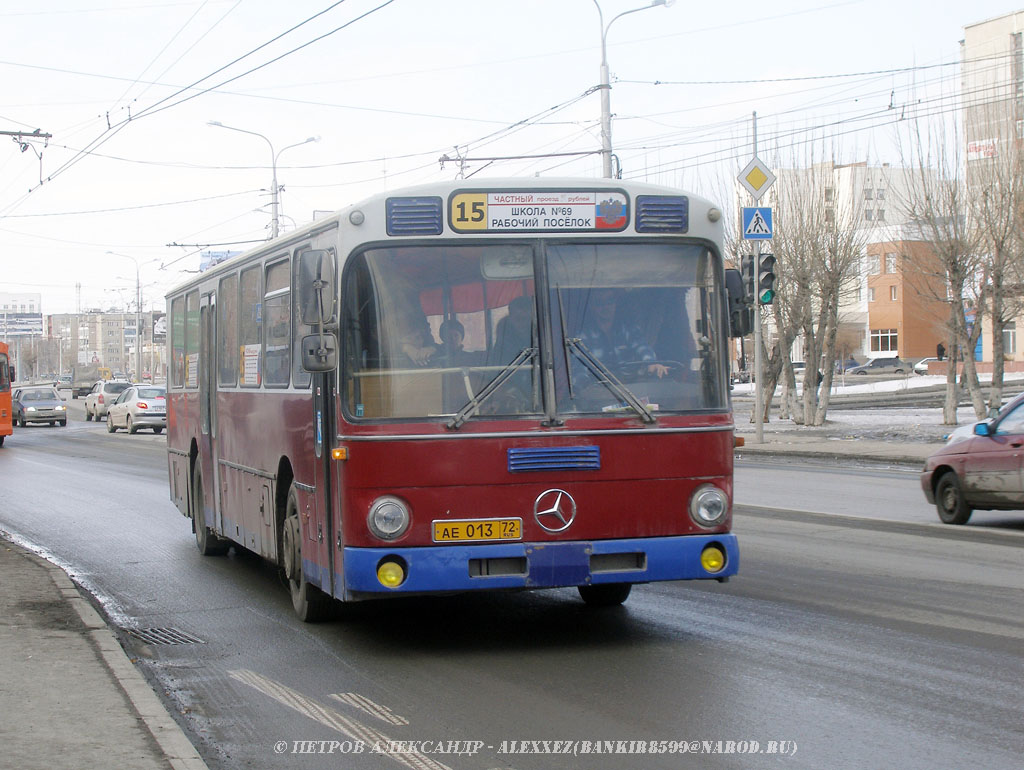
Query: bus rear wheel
column 310, row 603
column 207, row 542
column 606, row 594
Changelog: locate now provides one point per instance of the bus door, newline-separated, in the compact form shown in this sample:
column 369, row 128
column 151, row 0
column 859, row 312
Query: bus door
column 323, row 530
column 208, row 450
column 315, row 307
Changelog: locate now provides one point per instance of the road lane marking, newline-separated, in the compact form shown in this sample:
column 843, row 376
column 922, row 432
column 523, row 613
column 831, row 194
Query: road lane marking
column 351, row 728
column 366, row 705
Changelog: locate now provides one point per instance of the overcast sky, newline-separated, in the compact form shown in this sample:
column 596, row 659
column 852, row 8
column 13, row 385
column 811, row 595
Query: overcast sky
column 127, row 88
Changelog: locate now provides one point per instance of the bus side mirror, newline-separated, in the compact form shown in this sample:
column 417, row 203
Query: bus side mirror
column 319, row 352
column 316, row 286
column 741, row 314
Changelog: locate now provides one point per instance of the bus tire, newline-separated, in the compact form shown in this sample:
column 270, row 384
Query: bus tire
column 310, row 603
column 207, row 542
column 605, row 594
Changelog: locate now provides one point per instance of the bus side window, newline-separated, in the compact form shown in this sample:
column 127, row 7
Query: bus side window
column 250, row 313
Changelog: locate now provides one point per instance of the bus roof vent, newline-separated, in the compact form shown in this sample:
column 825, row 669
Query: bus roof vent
column 561, row 458
column 414, row 216
column 662, row 214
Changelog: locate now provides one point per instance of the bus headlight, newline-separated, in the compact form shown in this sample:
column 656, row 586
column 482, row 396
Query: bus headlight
column 388, row 518
column 709, row 505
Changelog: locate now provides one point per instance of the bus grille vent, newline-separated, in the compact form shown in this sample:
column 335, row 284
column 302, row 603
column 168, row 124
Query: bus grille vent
column 662, row 214
column 563, row 458
column 414, row 216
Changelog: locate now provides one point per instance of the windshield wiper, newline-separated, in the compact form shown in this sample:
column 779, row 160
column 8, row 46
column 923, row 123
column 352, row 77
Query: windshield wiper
column 603, row 375
column 474, row 404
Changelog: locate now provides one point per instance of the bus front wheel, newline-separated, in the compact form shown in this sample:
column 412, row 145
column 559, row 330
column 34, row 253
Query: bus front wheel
column 606, row 594
column 311, row 604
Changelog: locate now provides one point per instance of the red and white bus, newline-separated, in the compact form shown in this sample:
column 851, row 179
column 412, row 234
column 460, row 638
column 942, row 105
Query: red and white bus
column 476, row 385
column 6, row 416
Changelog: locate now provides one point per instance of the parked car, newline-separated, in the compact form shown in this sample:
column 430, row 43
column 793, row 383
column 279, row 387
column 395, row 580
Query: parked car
column 980, row 469
column 38, row 405
column 887, row 365
column 140, row 406
column 102, row 395
column 921, row 367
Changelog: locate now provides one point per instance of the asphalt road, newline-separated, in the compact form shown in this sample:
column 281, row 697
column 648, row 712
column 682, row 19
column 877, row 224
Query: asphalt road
column 860, row 642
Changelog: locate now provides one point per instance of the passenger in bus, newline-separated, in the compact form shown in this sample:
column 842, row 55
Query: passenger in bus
column 418, row 344
column 612, row 339
column 451, row 352
column 514, row 332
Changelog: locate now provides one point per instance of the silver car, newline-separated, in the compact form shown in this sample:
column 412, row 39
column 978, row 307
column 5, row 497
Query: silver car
column 139, row 406
column 102, row 395
column 887, row 365
column 38, row 405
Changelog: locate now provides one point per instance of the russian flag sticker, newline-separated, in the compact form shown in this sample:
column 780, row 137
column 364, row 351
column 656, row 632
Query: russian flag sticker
column 611, row 212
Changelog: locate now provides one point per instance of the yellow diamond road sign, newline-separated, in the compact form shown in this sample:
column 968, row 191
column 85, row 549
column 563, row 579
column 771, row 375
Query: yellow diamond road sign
column 756, row 178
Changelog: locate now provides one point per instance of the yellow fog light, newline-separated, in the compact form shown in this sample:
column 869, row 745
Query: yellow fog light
column 391, row 574
column 712, row 559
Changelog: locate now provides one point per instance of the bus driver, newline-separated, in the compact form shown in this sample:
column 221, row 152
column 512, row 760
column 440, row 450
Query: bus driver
column 612, row 340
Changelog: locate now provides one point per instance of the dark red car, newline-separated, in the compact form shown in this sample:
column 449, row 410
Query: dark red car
column 983, row 469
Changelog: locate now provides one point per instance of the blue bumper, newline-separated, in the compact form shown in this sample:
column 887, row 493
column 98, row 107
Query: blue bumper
column 538, row 565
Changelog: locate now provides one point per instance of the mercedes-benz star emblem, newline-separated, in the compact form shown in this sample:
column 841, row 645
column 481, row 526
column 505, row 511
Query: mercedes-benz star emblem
column 554, row 510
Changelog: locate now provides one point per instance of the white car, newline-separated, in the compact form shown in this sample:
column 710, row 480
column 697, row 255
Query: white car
column 139, row 406
column 102, row 395
column 921, row 367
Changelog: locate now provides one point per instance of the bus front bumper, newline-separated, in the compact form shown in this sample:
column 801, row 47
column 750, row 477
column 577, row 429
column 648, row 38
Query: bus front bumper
column 442, row 568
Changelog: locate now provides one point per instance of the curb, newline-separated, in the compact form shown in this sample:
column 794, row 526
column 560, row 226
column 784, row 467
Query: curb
column 986, row 535
column 907, row 461
column 175, row 745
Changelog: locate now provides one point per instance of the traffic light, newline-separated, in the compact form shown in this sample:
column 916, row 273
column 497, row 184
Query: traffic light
column 747, row 271
column 766, row 278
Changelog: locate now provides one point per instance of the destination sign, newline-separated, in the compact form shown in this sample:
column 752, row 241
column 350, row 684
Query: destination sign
column 538, row 211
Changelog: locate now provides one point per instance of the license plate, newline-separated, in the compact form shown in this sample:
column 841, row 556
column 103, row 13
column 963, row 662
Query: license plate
column 476, row 530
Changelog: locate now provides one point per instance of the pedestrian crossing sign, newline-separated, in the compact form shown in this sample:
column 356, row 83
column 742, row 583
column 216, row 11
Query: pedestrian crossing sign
column 757, row 223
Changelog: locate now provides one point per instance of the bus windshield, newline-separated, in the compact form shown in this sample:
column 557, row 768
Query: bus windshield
column 435, row 331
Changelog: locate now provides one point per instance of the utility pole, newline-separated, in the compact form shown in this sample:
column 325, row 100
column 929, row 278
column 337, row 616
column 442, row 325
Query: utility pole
column 757, row 178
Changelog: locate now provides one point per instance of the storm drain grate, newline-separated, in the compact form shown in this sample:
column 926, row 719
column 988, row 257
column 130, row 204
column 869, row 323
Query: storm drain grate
column 164, row 636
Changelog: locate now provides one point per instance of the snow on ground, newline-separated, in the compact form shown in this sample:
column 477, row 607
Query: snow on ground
column 853, row 384
column 883, row 423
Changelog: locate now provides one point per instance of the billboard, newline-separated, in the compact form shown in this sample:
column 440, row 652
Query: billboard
column 21, row 325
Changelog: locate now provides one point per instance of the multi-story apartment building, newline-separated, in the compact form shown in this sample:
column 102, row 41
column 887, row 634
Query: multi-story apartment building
column 109, row 339
column 992, row 56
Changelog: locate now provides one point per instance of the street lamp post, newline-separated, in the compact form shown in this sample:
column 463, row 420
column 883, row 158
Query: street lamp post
column 606, row 86
column 274, row 190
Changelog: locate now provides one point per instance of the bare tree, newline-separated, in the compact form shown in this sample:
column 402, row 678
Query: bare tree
column 819, row 244
column 937, row 203
column 995, row 186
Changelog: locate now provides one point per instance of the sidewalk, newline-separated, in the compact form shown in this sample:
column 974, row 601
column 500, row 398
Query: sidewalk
column 69, row 695
column 793, row 444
